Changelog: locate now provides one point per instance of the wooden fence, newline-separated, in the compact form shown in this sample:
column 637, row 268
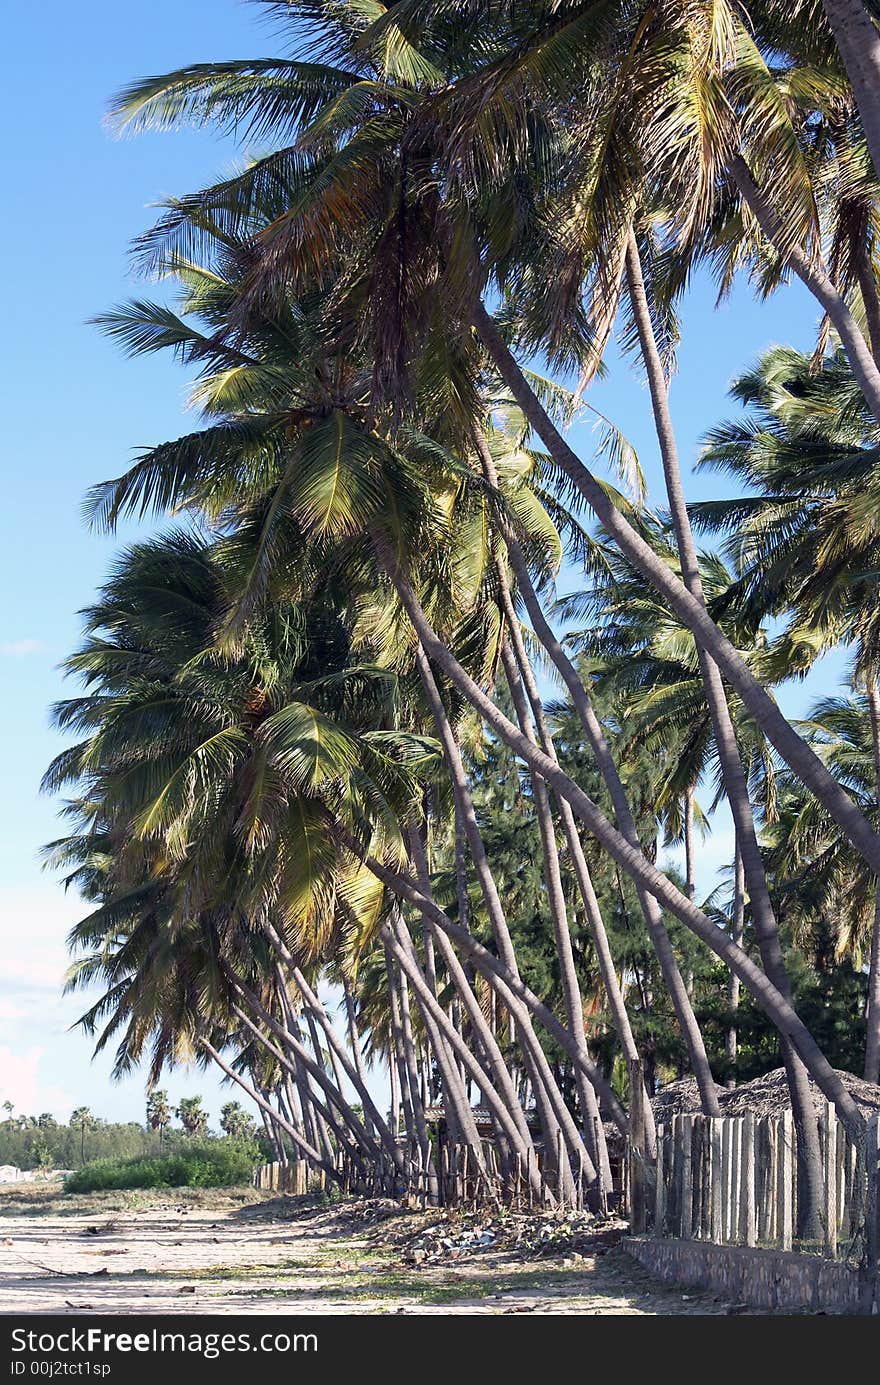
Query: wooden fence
column 733, row 1181
column 455, row 1177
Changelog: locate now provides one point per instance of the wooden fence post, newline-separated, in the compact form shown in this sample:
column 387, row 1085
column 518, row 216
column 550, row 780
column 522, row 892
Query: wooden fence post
column 660, row 1184
column 687, row 1178
column 785, row 1179
column 749, row 1224
column 637, row 1190
column 716, row 1170
column 872, row 1215
column 829, row 1126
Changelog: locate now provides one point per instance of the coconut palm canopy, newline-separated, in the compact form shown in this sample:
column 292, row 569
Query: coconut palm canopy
column 315, row 737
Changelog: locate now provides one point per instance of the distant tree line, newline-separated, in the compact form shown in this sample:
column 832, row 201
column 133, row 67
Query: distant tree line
column 42, row 1142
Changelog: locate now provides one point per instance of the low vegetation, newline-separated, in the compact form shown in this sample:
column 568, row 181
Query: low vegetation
column 215, row 1164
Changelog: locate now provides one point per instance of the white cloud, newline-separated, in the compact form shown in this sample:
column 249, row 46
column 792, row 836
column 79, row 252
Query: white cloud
column 17, row 649
column 21, row 1082
column 34, row 923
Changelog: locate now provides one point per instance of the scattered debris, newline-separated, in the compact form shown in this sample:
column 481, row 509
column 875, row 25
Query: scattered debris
column 462, row 1235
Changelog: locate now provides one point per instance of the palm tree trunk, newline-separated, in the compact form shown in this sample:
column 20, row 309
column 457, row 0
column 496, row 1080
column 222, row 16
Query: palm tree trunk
column 354, row 1072
column 739, row 917
column 581, row 869
column 689, row 874
column 434, row 1012
column 814, row 277
column 310, row 1126
column 415, row 1095
column 397, row 1036
column 794, row 750
column 593, row 1134
column 354, row 1044
column 778, row 1009
column 651, row 911
column 348, row 1117
column 550, row 1105
column 872, row 1016
column 308, row 1150
column 733, row 775
column 858, row 42
column 394, row 1083
column 486, row 1042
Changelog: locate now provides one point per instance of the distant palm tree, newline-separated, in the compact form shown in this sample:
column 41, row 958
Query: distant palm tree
column 83, row 1118
column 158, row 1112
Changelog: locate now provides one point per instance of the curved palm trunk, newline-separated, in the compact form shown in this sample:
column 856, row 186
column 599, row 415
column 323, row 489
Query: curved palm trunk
column 399, row 1056
column 511, row 990
column 431, row 1008
column 820, row 285
column 858, row 42
column 309, row 1120
column 552, row 1112
column 794, row 750
column 353, row 1071
column 775, row 1006
column 307, row 1149
column 418, row 1109
column 582, row 874
column 593, row 1134
column 394, row 1083
column 354, row 1044
column 347, row 1116
column 739, row 916
column 459, row 1116
column 872, row 1017
column 733, row 775
column 650, row 908
column 487, row 1043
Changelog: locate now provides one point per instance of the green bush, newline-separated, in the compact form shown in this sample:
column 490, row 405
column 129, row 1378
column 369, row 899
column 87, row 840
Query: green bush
column 214, row 1164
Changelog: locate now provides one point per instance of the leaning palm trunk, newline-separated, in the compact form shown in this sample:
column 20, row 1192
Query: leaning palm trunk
column 872, row 1016
column 486, row 1042
column 650, row 908
column 354, row 1043
column 304, row 1091
column 595, row 921
column 593, row 1134
column 794, row 750
column 354, row 1072
column 394, row 1084
column 418, row 1110
column 552, row 1112
column 397, row 1041
column 459, row 1115
column 738, row 931
column 732, row 772
column 857, row 39
column 264, row 1106
column 348, row 1128
column 776, row 1006
column 517, row 998
column 431, row 1008
column 815, row 278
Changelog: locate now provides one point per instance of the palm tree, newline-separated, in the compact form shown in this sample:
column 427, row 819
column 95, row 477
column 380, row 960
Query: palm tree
column 158, row 1113
column 83, row 1118
column 191, row 1116
column 807, row 543
column 372, row 74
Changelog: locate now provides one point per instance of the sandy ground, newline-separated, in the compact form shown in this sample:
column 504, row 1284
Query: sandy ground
column 242, row 1252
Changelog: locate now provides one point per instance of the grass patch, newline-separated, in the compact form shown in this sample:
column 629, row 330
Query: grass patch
column 217, row 1164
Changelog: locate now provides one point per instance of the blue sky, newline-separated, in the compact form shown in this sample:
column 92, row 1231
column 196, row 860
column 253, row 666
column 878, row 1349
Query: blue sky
column 76, row 411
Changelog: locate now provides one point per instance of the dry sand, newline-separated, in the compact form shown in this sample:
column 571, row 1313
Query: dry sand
column 243, row 1252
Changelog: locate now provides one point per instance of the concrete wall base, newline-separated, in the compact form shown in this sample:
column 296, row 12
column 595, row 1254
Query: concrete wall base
column 760, row 1278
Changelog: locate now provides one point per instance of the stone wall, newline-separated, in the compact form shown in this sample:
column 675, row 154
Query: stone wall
column 761, row 1278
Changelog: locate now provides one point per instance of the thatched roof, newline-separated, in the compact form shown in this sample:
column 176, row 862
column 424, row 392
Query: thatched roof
column 763, row 1096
